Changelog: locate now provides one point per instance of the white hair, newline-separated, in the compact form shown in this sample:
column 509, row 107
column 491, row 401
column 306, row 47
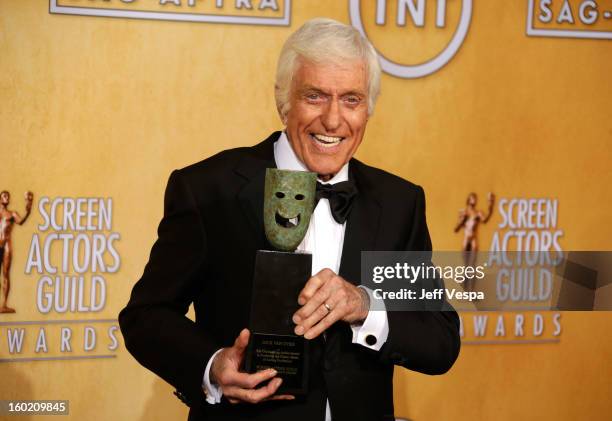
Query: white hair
column 324, row 40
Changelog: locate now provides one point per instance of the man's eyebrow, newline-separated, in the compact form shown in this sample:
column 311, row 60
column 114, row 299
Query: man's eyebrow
column 353, row 92
column 311, row 88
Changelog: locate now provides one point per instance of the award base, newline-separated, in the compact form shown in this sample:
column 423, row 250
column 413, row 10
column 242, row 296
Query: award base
column 287, row 354
column 279, row 278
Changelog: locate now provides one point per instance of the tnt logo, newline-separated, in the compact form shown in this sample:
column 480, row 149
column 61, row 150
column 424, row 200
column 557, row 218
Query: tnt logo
column 570, row 18
column 413, row 38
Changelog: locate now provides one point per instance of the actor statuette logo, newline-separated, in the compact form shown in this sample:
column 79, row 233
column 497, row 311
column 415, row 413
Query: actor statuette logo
column 8, row 219
column 469, row 219
column 418, row 22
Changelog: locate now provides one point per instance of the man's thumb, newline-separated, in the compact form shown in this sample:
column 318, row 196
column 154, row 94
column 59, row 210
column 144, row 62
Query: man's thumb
column 242, row 340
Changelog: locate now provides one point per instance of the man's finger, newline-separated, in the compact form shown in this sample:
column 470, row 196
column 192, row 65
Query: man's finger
column 242, row 341
column 315, row 317
column 310, row 289
column 231, row 394
column 312, row 304
column 253, row 395
column 273, row 386
column 236, row 352
column 323, row 325
column 250, row 381
column 280, row 398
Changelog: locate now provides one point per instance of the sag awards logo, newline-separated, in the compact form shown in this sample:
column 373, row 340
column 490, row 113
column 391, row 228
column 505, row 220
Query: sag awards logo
column 431, row 32
column 570, row 18
column 72, row 253
column 527, row 234
column 246, row 12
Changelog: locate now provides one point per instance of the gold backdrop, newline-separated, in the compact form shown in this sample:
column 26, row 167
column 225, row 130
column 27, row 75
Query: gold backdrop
column 107, row 107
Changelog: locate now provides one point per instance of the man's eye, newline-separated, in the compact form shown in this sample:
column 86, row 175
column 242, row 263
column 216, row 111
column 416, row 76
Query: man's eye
column 313, row 97
column 354, row 100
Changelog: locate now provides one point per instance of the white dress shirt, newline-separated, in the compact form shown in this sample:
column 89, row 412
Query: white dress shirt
column 324, row 240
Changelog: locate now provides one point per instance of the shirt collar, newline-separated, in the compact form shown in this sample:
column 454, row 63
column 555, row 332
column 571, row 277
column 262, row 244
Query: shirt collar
column 286, row 159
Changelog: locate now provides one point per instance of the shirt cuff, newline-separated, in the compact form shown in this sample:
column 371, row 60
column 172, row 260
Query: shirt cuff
column 374, row 330
column 213, row 393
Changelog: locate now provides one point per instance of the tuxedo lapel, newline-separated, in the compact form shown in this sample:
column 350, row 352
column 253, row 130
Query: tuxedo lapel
column 361, row 226
column 252, row 168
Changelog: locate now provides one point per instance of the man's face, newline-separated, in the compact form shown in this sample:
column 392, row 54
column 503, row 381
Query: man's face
column 328, row 114
column 5, row 198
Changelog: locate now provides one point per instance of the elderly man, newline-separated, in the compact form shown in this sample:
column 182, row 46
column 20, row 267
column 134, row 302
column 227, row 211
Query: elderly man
column 327, row 82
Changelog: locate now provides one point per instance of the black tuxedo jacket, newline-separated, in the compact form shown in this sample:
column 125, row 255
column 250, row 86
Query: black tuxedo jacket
column 205, row 255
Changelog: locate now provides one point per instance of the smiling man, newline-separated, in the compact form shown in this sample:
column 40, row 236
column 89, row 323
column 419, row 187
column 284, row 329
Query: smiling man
column 328, row 112
column 327, row 81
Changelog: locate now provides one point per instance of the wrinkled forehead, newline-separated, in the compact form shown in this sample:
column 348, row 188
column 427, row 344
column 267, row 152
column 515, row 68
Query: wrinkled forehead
column 333, row 77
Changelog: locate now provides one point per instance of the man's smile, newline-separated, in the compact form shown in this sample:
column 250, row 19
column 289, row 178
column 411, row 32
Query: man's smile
column 326, row 141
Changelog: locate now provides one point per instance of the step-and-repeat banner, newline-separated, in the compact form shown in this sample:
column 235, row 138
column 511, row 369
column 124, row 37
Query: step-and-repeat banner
column 499, row 109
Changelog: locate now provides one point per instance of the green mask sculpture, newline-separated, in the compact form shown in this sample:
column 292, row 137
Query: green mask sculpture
column 289, row 198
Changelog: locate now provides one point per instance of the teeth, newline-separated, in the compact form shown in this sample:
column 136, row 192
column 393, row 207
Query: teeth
column 287, row 222
column 327, row 141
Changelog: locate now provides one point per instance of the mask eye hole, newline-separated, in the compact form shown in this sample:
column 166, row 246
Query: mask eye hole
column 299, row 197
column 280, row 194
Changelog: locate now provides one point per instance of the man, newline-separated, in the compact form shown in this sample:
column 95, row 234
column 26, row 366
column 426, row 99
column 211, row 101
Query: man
column 8, row 219
column 327, row 81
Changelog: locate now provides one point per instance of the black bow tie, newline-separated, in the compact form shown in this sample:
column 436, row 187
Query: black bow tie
column 340, row 195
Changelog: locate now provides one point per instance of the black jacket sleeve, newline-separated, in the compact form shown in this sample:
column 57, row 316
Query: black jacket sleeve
column 156, row 331
column 423, row 341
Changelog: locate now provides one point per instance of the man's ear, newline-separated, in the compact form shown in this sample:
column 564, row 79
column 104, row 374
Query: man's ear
column 279, row 110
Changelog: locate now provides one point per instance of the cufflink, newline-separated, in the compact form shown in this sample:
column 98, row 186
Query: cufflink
column 370, row 340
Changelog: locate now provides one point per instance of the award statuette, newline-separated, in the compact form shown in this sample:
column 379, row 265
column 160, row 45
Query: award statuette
column 279, row 277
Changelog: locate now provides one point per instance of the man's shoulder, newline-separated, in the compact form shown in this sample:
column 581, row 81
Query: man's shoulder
column 384, row 183
column 220, row 162
column 225, row 162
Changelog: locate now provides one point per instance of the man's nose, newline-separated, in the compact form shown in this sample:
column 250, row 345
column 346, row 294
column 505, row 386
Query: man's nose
column 331, row 116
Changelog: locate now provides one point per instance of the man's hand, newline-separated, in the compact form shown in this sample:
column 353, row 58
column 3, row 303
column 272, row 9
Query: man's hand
column 327, row 298
column 242, row 387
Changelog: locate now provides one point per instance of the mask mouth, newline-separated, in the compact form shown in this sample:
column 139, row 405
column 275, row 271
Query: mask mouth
column 287, row 222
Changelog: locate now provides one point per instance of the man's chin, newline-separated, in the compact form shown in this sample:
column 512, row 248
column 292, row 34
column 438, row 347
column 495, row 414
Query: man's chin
column 325, row 172
column 325, row 163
